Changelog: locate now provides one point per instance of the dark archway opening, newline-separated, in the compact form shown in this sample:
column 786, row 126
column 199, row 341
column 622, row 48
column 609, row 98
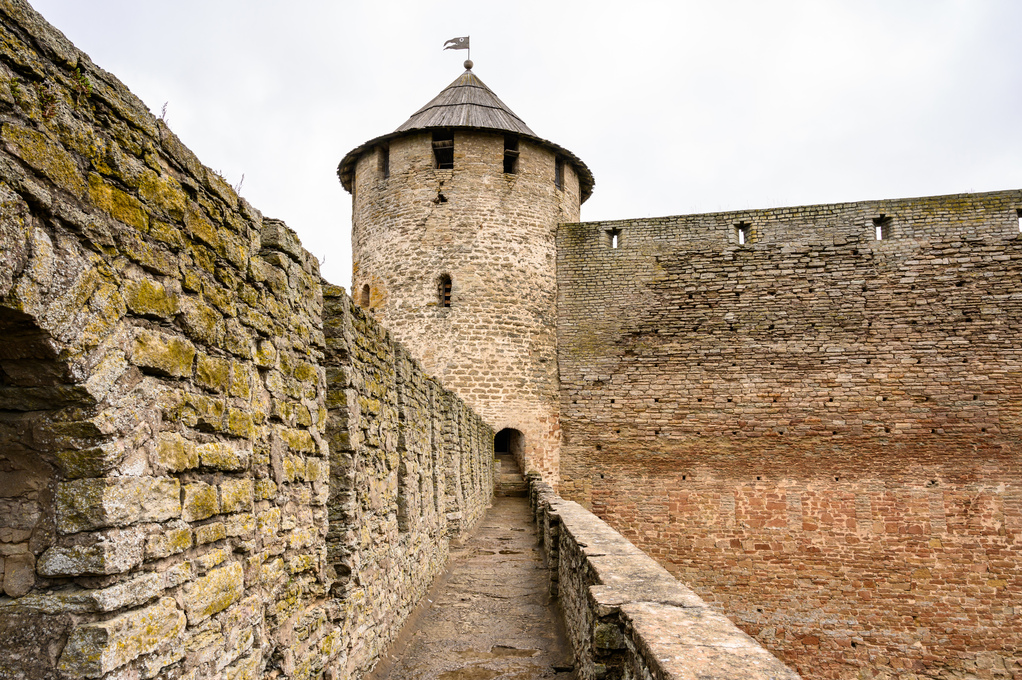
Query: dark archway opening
column 509, row 451
column 508, row 440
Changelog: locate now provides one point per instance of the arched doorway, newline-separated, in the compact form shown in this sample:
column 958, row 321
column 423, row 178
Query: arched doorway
column 509, row 441
column 509, row 451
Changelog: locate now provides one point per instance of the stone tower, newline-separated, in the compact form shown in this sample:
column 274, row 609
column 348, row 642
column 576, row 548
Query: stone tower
column 454, row 217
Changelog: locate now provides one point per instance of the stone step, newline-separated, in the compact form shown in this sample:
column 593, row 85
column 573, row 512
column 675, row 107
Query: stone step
column 509, row 482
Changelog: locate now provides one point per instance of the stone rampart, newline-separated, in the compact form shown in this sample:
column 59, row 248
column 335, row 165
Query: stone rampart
column 625, row 615
column 195, row 480
column 816, row 430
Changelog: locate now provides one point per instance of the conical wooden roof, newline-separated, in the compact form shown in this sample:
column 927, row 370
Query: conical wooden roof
column 467, row 102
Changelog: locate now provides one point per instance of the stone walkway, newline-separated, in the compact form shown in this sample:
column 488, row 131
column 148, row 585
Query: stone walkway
column 491, row 616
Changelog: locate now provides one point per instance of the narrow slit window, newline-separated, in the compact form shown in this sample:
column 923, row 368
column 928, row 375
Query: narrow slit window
column 1018, row 213
column 614, row 238
column 364, row 301
column 443, row 149
column 743, row 233
column 882, row 227
column 444, row 289
column 559, row 173
column 384, row 162
column 510, row 154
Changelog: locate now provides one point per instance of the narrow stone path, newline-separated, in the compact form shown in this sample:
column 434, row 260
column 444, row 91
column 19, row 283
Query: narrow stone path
column 491, row 617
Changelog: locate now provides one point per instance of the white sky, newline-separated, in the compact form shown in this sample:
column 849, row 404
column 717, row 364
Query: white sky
column 676, row 107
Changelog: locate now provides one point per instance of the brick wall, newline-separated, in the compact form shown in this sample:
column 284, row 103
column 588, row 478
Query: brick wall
column 195, row 480
column 817, row 431
column 625, row 616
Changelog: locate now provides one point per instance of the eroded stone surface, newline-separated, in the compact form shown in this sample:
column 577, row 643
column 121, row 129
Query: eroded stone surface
column 95, row 649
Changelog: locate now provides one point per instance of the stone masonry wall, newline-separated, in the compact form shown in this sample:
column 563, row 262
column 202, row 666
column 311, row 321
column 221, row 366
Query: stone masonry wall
column 168, row 504
column 625, row 615
column 817, row 431
column 410, row 467
column 493, row 234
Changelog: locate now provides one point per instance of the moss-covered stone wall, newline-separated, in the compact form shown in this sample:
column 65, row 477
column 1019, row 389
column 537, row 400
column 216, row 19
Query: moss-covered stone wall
column 185, row 491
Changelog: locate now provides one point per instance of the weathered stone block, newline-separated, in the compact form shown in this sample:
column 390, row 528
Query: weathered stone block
column 46, row 156
column 177, row 453
column 212, row 373
column 150, row 298
column 132, row 593
column 18, row 574
column 213, row 593
column 221, row 456
column 86, row 504
column 162, row 354
column 210, row 533
column 200, row 501
column 113, row 551
column 236, row 495
column 176, row 538
column 121, row 206
column 97, row 648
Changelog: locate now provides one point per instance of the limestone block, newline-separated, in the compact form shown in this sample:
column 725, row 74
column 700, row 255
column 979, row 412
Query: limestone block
column 86, row 504
column 210, row 533
column 162, row 354
column 95, row 649
column 176, row 538
column 213, row 592
column 200, row 501
column 121, row 206
column 113, row 551
column 46, row 156
column 177, row 453
column 236, row 495
column 212, row 373
column 132, row 593
column 242, row 524
column 265, row 489
column 150, row 298
column 18, row 574
column 221, row 456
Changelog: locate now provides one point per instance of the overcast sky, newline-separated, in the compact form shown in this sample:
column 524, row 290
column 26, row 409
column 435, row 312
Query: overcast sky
column 676, row 107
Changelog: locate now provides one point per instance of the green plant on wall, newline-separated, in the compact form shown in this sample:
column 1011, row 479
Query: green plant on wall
column 82, row 87
column 47, row 100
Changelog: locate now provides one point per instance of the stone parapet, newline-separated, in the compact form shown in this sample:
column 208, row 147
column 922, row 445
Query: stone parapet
column 626, row 616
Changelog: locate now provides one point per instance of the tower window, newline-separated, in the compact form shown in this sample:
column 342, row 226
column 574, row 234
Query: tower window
column 559, row 173
column 882, row 227
column 384, row 161
column 364, row 301
column 1018, row 213
column 614, row 238
column 443, row 149
column 444, row 289
column 510, row 154
column 743, row 233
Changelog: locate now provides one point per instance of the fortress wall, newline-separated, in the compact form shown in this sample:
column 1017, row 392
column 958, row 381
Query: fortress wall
column 164, row 427
column 494, row 235
column 818, row 432
column 625, row 615
column 410, row 467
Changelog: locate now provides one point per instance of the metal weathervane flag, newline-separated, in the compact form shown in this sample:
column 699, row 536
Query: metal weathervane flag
column 457, row 44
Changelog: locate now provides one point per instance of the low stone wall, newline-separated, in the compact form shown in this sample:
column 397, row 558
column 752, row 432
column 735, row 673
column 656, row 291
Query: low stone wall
column 625, row 615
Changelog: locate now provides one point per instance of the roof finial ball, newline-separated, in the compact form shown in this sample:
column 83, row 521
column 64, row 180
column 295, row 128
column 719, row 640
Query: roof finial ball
column 468, row 64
